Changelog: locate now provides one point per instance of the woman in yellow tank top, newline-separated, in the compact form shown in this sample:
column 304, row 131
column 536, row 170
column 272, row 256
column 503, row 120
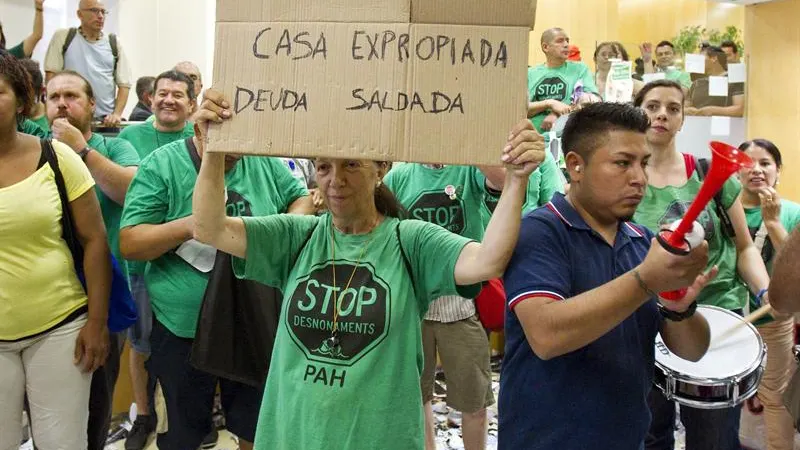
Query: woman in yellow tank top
column 53, row 332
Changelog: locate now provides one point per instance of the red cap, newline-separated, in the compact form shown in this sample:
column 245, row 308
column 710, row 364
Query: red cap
column 574, row 53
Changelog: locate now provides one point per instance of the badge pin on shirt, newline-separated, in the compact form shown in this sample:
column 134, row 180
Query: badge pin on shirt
column 450, row 190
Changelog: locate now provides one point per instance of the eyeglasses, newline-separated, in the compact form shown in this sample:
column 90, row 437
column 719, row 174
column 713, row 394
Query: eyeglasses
column 97, row 11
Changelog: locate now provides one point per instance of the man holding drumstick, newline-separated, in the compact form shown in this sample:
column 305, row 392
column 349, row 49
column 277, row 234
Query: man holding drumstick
column 583, row 317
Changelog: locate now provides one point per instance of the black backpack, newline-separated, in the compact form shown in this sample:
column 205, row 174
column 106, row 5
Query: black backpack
column 112, row 40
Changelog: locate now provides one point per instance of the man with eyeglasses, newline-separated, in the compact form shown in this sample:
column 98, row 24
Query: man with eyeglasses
column 97, row 56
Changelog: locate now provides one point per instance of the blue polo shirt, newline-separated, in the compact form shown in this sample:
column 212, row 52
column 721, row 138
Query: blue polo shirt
column 594, row 397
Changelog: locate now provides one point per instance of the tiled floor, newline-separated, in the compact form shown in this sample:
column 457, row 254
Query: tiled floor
column 226, row 442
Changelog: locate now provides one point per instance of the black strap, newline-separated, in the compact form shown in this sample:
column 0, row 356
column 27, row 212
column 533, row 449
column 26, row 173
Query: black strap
column 68, row 229
column 406, row 262
column 193, row 155
column 70, row 37
column 702, row 166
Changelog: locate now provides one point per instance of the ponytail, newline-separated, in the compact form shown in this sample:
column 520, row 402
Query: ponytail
column 386, row 203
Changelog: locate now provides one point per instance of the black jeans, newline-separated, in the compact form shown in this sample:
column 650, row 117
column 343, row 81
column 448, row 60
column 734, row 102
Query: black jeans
column 101, row 396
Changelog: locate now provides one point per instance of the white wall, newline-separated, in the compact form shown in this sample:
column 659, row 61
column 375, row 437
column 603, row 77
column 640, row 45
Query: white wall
column 159, row 33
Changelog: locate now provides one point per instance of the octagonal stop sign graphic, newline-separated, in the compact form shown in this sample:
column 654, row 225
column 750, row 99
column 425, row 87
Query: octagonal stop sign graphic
column 439, row 208
column 364, row 311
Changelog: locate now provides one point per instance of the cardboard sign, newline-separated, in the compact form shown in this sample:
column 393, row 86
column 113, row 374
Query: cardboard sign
column 374, row 79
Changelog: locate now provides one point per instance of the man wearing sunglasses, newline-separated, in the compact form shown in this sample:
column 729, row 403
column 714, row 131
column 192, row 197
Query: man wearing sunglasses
column 97, row 56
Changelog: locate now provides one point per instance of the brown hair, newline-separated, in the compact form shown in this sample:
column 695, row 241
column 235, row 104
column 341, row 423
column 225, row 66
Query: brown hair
column 19, row 79
column 385, row 201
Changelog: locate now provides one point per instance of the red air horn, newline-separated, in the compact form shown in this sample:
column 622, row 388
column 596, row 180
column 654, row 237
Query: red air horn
column 725, row 161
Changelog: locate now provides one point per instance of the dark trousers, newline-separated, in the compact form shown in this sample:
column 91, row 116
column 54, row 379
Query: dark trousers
column 706, row 429
column 101, row 396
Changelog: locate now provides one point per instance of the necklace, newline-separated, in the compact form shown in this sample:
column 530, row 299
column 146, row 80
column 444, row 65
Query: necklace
column 333, row 343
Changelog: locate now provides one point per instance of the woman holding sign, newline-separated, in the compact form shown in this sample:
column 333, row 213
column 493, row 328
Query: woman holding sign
column 674, row 179
column 346, row 365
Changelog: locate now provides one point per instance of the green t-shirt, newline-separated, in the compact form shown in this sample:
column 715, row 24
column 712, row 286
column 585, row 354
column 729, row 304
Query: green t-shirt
column 548, row 83
column 662, row 206
column 30, row 127
column 679, row 76
column 366, row 395
column 121, row 153
column 543, row 183
column 450, row 197
column 43, row 123
column 790, row 219
column 145, row 139
column 162, row 192
column 18, row 51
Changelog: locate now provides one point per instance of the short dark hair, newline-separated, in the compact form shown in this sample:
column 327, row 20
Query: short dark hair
column 666, row 44
column 730, row 44
column 174, row 75
column 767, row 145
column 638, row 101
column 145, row 85
column 87, row 88
column 588, row 128
column 718, row 54
column 35, row 71
column 20, row 82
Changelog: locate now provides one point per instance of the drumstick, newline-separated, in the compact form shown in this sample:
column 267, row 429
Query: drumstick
column 750, row 318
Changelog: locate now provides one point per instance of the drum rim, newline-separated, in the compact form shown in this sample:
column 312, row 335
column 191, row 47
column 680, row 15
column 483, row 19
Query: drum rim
column 703, row 381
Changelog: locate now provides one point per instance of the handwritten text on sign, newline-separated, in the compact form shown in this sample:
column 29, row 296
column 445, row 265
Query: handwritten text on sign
column 387, row 45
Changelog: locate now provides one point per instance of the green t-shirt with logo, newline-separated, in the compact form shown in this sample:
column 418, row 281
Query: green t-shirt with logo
column 162, row 192
column 790, row 219
column 543, row 183
column 662, row 206
column 365, row 393
column 557, row 83
column 122, row 153
column 32, row 128
column 145, row 139
column 450, row 197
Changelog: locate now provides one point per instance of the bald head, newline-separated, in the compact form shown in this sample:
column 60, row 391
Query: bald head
column 191, row 70
column 92, row 14
column 551, row 34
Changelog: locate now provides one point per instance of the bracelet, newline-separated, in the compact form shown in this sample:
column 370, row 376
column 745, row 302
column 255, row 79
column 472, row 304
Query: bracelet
column 643, row 285
column 760, row 296
column 675, row 316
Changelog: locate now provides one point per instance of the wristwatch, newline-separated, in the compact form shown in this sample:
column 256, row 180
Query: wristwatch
column 677, row 316
column 86, row 150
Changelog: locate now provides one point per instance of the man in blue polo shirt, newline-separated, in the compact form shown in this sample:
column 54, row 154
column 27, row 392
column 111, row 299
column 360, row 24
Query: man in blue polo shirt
column 582, row 318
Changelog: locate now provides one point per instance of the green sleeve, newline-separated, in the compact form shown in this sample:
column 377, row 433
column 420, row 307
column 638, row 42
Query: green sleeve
column 550, row 181
column 147, row 199
column 685, row 80
column 18, row 51
column 792, row 220
column 273, row 245
column 30, row 127
column 432, row 253
column 532, row 79
column 588, row 80
column 730, row 192
column 291, row 187
column 122, row 153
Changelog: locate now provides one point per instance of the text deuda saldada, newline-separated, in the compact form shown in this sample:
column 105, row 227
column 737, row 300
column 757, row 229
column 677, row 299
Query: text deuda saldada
column 384, row 46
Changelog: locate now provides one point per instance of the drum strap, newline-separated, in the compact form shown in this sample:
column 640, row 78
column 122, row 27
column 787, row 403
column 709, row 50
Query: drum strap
column 761, row 237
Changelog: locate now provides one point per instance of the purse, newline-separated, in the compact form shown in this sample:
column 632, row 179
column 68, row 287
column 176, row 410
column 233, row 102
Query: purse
column 121, row 308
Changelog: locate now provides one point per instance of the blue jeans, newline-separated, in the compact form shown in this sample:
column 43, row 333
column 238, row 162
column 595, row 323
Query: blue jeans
column 706, row 429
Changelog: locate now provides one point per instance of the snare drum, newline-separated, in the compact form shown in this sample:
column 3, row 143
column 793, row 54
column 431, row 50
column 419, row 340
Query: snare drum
column 727, row 375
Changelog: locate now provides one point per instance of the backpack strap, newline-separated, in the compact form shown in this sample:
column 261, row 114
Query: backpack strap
column 726, row 223
column 70, row 37
column 68, row 230
column 112, row 40
column 193, row 155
